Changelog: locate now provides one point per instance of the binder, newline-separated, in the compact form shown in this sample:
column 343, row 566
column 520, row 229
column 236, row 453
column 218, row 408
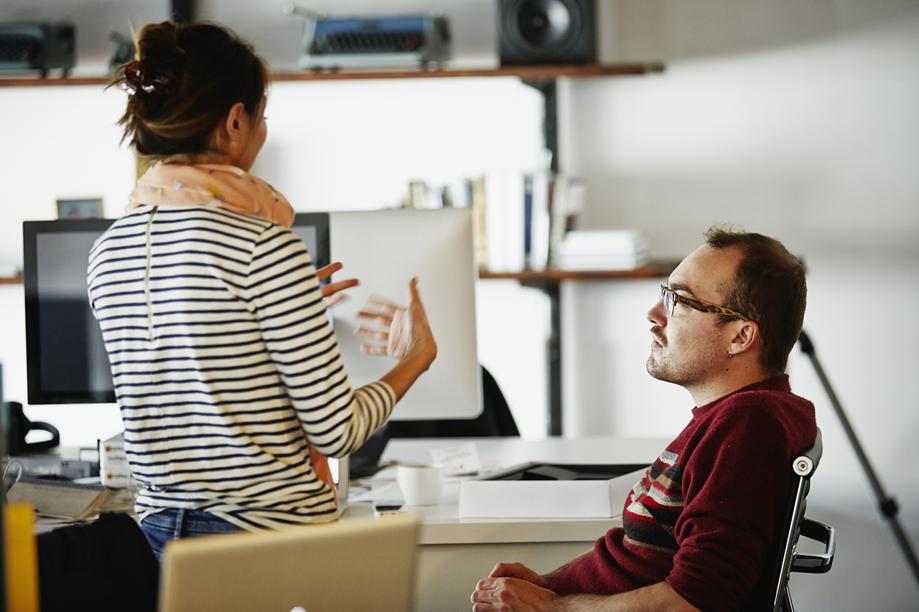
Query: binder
column 21, row 558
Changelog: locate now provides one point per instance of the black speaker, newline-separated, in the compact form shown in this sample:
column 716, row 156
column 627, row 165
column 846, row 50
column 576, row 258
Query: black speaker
column 547, row 31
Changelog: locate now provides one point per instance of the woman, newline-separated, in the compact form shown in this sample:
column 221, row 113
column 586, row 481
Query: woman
column 226, row 370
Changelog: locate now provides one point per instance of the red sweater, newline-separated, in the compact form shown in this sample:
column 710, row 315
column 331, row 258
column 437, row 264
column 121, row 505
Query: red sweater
column 704, row 516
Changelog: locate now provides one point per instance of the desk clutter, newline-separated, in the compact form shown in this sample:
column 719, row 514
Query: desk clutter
column 75, row 501
column 72, row 488
column 456, row 475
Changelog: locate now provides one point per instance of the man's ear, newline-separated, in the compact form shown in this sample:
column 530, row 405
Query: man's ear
column 746, row 335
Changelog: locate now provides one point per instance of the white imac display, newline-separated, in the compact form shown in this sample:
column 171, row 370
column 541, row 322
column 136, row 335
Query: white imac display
column 386, row 248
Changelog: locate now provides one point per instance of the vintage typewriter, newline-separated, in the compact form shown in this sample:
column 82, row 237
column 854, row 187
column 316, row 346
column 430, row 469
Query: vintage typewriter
column 331, row 43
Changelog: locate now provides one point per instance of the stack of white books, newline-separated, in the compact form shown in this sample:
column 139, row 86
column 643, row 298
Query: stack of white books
column 614, row 249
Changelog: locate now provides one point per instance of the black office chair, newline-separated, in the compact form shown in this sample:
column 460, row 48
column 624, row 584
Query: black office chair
column 797, row 525
column 496, row 419
column 106, row 565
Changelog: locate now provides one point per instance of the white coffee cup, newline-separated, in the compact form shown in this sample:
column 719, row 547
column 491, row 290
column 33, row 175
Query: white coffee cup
column 421, row 484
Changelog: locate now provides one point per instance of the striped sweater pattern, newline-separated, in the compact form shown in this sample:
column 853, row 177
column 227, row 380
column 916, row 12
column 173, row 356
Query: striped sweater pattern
column 654, row 505
column 225, row 365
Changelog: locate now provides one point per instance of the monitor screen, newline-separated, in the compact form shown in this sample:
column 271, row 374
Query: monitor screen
column 65, row 357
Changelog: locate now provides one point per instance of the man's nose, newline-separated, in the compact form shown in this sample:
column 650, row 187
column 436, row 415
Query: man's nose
column 656, row 314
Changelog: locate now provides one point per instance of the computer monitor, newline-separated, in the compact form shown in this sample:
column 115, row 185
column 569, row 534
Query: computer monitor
column 386, row 248
column 66, row 359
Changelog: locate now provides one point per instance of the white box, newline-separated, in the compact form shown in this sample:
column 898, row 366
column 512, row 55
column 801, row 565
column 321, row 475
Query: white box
column 114, row 471
column 498, row 498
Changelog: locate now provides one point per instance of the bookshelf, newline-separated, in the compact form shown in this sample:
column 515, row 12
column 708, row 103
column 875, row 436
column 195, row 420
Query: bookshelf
column 526, row 73
column 656, row 269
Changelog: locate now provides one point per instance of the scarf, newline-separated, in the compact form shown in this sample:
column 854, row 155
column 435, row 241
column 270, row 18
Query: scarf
column 213, row 186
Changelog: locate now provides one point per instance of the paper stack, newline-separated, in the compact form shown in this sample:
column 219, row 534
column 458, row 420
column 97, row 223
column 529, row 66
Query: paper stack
column 623, row 249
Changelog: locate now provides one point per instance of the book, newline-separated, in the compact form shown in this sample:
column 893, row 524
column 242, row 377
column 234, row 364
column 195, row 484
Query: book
column 622, row 249
column 504, row 221
column 539, row 231
column 476, row 191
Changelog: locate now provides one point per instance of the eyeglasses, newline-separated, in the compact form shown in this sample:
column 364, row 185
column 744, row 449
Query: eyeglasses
column 671, row 298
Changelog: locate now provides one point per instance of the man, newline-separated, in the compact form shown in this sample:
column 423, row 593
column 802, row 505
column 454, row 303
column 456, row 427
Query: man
column 698, row 529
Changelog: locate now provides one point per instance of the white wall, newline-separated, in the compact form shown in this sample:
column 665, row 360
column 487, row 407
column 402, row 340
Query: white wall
column 796, row 119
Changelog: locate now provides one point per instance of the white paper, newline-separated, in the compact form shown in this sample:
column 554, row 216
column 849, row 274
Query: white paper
column 457, row 460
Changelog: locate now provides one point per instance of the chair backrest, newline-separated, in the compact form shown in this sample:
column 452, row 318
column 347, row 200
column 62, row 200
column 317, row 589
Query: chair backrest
column 496, row 419
column 355, row 564
column 796, row 525
column 97, row 566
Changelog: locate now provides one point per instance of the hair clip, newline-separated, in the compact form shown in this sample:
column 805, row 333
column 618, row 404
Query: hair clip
column 135, row 77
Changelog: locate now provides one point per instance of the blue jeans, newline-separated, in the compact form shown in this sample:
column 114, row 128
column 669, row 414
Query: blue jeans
column 174, row 523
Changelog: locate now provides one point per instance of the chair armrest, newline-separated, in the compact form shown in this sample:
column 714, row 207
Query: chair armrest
column 816, row 563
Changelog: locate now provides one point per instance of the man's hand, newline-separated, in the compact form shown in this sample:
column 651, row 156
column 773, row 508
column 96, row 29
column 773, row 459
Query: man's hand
column 507, row 594
column 331, row 292
column 517, row 570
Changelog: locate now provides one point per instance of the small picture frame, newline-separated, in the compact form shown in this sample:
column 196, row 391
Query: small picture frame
column 79, row 208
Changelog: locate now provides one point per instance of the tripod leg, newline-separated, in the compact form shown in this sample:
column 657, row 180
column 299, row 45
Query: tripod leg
column 887, row 504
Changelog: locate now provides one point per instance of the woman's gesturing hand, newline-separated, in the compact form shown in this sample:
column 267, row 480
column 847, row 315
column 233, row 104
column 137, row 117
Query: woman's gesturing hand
column 402, row 332
column 332, row 291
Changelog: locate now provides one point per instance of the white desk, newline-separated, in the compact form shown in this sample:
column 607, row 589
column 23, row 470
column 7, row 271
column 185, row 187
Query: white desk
column 454, row 553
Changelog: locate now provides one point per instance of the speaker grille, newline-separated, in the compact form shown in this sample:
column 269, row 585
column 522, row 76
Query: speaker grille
column 547, row 31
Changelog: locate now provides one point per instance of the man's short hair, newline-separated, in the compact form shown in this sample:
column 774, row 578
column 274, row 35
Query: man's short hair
column 769, row 287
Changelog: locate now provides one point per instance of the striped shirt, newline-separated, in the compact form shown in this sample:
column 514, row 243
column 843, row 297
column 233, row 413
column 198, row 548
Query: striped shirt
column 225, row 366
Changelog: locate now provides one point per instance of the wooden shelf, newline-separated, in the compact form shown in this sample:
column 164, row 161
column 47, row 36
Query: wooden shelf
column 658, row 269
column 11, row 280
column 529, row 73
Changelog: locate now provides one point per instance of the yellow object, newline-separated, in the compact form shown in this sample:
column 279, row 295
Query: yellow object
column 21, row 558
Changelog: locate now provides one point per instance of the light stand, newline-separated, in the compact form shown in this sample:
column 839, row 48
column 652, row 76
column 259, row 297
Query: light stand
column 886, row 504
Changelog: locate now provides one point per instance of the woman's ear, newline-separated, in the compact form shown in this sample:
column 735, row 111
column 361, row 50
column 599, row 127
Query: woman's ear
column 236, row 122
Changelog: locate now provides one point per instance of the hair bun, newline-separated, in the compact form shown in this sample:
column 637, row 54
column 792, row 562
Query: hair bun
column 153, row 76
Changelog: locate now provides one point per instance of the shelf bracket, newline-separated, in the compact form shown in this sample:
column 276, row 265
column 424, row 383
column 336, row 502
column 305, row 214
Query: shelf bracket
column 553, row 354
column 548, row 88
column 183, row 11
